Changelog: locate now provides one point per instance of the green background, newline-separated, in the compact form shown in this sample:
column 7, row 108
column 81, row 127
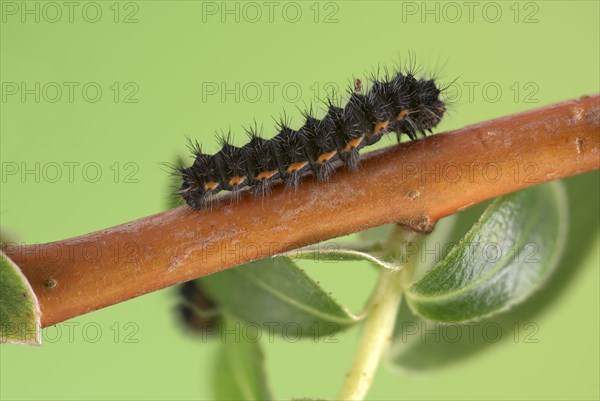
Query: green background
column 545, row 53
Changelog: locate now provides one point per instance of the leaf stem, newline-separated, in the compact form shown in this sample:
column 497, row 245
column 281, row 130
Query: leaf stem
column 376, row 337
column 382, row 310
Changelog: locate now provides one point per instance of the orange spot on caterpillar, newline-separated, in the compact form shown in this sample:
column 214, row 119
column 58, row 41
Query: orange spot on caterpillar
column 353, row 144
column 211, row 186
column 402, row 114
column 326, row 156
column 237, row 180
column 380, row 127
column 296, row 166
column 266, row 175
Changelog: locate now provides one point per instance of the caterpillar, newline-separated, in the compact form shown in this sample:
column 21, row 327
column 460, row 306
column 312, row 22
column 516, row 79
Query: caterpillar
column 399, row 103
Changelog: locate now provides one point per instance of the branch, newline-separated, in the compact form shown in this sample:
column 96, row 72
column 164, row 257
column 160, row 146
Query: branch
column 414, row 184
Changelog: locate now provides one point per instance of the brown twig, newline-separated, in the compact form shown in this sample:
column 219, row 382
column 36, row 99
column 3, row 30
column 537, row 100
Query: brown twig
column 414, row 183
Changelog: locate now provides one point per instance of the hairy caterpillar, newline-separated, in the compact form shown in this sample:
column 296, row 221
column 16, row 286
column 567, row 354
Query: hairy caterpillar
column 399, row 103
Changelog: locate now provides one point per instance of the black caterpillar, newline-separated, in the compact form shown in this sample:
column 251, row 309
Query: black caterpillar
column 402, row 104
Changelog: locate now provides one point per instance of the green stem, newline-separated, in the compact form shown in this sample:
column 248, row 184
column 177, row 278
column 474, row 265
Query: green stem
column 376, row 337
column 379, row 326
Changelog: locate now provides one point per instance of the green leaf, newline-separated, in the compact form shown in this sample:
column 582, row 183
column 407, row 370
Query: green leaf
column 19, row 308
column 507, row 255
column 340, row 255
column 424, row 346
column 239, row 373
column 279, row 297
